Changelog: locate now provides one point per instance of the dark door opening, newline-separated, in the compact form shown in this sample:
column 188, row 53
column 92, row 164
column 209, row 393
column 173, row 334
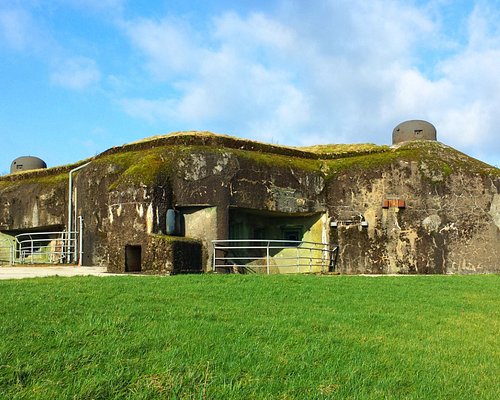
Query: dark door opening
column 293, row 234
column 132, row 258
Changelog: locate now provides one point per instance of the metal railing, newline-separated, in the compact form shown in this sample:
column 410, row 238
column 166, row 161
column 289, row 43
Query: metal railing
column 273, row 256
column 41, row 248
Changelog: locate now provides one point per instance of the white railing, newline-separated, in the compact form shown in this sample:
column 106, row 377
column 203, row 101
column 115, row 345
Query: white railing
column 41, row 248
column 46, row 248
column 273, row 256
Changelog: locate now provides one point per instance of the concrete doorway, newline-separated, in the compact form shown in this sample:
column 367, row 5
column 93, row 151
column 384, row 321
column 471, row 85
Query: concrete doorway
column 133, row 258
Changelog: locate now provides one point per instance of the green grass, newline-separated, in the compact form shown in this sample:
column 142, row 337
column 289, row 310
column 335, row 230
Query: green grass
column 246, row 337
column 341, row 149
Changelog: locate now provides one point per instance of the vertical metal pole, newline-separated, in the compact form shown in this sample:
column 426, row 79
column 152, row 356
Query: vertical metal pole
column 336, row 258
column 323, row 258
column 213, row 261
column 70, row 215
column 80, row 238
column 310, row 259
column 14, row 251
column 75, row 250
column 298, row 259
column 267, row 258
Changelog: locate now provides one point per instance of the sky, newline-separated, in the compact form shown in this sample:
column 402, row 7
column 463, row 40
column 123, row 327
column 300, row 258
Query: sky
column 80, row 76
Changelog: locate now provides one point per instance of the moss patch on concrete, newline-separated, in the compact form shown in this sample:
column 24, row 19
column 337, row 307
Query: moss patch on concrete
column 172, row 239
column 48, row 180
column 345, row 150
column 363, row 162
column 434, row 157
column 281, row 161
column 139, row 167
column 336, row 158
column 150, row 159
column 148, row 165
column 445, row 160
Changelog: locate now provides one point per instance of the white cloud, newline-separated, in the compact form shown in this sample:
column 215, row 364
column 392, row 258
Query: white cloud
column 18, row 31
column 76, row 73
column 167, row 44
column 338, row 71
column 257, row 30
column 21, row 31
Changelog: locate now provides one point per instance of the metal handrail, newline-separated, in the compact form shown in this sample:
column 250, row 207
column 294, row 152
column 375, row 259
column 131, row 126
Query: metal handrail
column 39, row 247
column 305, row 251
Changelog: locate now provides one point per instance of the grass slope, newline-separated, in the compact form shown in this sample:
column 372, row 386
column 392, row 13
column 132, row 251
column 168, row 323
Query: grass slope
column 244, row 337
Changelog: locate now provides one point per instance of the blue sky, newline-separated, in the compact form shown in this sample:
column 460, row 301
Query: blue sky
column 80, row 76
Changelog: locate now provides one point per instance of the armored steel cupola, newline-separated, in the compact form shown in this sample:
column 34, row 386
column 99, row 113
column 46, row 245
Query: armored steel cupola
column 413, row 130
column 26, row 163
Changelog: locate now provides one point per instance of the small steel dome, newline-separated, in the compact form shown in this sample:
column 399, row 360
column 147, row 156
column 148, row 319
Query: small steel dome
column 413, row 130
column 26, row 163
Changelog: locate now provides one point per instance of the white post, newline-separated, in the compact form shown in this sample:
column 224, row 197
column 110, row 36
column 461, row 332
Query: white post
column 80, row 240
column 267, row 258
column 298, row 259
column 310, row 259
column 213, row 261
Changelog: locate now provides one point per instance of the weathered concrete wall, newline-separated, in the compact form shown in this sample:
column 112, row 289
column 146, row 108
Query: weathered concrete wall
column 236, row 179
column 118, row 215
column 446, row 226
column 32, row 205
column 118, row 212
column 201, row 223
column 286, row 189
column 171, row 255
column 450, row 222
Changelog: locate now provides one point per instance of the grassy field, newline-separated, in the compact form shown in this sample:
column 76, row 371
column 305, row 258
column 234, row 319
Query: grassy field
column 250, row 337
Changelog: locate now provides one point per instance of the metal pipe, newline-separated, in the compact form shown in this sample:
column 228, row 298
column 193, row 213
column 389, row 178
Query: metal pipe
column 214, row 260
column 298, row 259
column 80, row 244
column 70, row 204
column 267, row 259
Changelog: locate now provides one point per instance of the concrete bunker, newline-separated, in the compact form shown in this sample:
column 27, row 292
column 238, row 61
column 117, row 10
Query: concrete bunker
column 413, row 130
column 27, row 163
column 233, row 189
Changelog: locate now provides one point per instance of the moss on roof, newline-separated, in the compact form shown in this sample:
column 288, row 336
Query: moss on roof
column 139, row 166
column 436, row 157
column 446, row 158
column 53, row 179
column 205, row 138
column 141, row 162
column 341, row 150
